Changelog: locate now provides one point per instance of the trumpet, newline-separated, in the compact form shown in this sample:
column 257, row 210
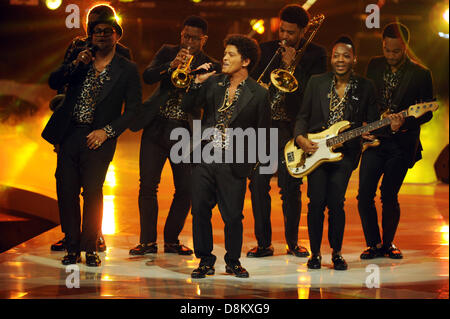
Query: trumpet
column 284, row 79
column 180, row 77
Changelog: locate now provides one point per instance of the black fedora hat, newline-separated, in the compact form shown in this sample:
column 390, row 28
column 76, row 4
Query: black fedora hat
column 103, row 14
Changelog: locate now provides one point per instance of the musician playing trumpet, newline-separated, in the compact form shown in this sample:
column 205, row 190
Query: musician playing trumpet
column 160, row 115
column 330, row 98
column 293, row 22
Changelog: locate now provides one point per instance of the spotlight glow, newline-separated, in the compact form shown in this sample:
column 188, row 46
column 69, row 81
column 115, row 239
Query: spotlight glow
column 258, row 25
column 445, row 15
column 53, row 4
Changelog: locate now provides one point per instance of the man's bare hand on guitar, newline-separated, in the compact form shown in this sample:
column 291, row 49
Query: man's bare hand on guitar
column 367, row 135
column 306, row 145
column 397, row 121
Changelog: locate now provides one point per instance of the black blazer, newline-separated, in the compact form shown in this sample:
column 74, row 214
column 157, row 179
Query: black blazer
column 56, row 80
column 124, row 86
column 314, row 61
column 315, row 110
column 157, row 71
column 252, row 110
column 416, row 86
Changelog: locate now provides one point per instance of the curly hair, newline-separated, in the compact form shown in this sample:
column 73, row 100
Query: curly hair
column 294, row 13
column 247, row 47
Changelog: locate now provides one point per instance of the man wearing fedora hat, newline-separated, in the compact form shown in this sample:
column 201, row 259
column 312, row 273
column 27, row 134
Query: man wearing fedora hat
column 86, row 128
column 76, row 46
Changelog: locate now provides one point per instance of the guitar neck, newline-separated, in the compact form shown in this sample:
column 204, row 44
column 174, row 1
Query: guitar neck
column 348, row 135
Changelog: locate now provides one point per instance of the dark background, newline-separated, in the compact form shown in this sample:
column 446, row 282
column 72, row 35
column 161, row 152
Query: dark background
column 33, row 38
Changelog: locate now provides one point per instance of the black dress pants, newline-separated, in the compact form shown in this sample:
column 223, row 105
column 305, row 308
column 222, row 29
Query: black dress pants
column 215, row 184
column 154, row 152
column 78, row 168
column 261, row 204
column 289, row 191
column 327, row 185
column 389, row 163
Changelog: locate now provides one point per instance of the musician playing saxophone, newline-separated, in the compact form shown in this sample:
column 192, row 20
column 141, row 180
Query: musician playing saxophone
column 329, row 98
column 293, row 21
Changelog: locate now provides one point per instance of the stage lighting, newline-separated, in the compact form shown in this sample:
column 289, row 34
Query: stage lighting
column 438, row 18
column 258, row 25
column 53, row 4
column 196, row 1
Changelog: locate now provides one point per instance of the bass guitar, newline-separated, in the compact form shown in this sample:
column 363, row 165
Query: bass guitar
column 300, row 164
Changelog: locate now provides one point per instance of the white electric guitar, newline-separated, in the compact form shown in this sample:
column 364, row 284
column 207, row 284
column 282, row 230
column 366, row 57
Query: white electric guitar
column 300, row 164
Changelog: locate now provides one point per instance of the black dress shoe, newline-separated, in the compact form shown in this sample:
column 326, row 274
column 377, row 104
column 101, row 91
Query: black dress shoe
column 71, row 258
column 59, row 246
column 314, row 262
column 143, row 249
column 298, row 251
column 237, row 270
column 177, row 248
column 101, row 245
column 339, row 262
column 260, row 252
column 92, row 259
column 203, row 271
column 392, row 252
column 371, row 253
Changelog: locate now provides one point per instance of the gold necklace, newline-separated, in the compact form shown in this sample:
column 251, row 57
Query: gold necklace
column 226, row 104
column 333, row 108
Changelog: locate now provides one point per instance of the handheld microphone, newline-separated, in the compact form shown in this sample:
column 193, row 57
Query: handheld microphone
column 202, row 71
column 282, row 48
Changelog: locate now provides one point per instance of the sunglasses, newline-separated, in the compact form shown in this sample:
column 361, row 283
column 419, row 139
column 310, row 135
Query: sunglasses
column 106, row 32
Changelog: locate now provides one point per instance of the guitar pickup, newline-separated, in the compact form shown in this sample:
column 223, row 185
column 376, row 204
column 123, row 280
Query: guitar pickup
column 290, row 157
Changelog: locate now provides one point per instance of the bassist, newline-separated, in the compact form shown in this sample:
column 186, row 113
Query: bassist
column 330, row 98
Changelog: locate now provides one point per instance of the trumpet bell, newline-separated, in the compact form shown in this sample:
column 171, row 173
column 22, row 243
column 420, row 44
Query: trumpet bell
column 283, row 80
column 180, row 78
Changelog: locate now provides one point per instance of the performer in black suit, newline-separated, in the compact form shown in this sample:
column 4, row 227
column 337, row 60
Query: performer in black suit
column 86, row 128
column 330, row 98
column 293, row 20
column 76, row 46
column 400, row 83
column 161, row 114
column 229, row 100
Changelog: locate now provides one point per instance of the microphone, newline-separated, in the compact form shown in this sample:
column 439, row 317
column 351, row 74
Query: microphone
column 202, row 71
column 281, row 48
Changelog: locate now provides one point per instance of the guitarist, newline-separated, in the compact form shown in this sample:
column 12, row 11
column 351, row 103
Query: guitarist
column 329, row 98
column 400, row 83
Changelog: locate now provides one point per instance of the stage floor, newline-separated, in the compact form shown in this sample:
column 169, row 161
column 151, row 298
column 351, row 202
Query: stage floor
column 31, row 270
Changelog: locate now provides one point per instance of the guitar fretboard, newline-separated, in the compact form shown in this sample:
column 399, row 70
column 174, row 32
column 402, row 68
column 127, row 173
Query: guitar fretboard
column 348, row 135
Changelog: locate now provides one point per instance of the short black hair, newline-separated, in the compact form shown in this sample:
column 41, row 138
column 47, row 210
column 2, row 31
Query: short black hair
column 247, row 47
column 396, row 30
column 196, row 22
column 294, row 13
column 346, row 39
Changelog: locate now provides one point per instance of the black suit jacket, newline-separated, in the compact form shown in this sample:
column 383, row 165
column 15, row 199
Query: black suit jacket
column 314, row 61
column 416, row 86
column 56, row 80
column 252, row 110
column 124, row 86
column 315, row 110
column 157, row 71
